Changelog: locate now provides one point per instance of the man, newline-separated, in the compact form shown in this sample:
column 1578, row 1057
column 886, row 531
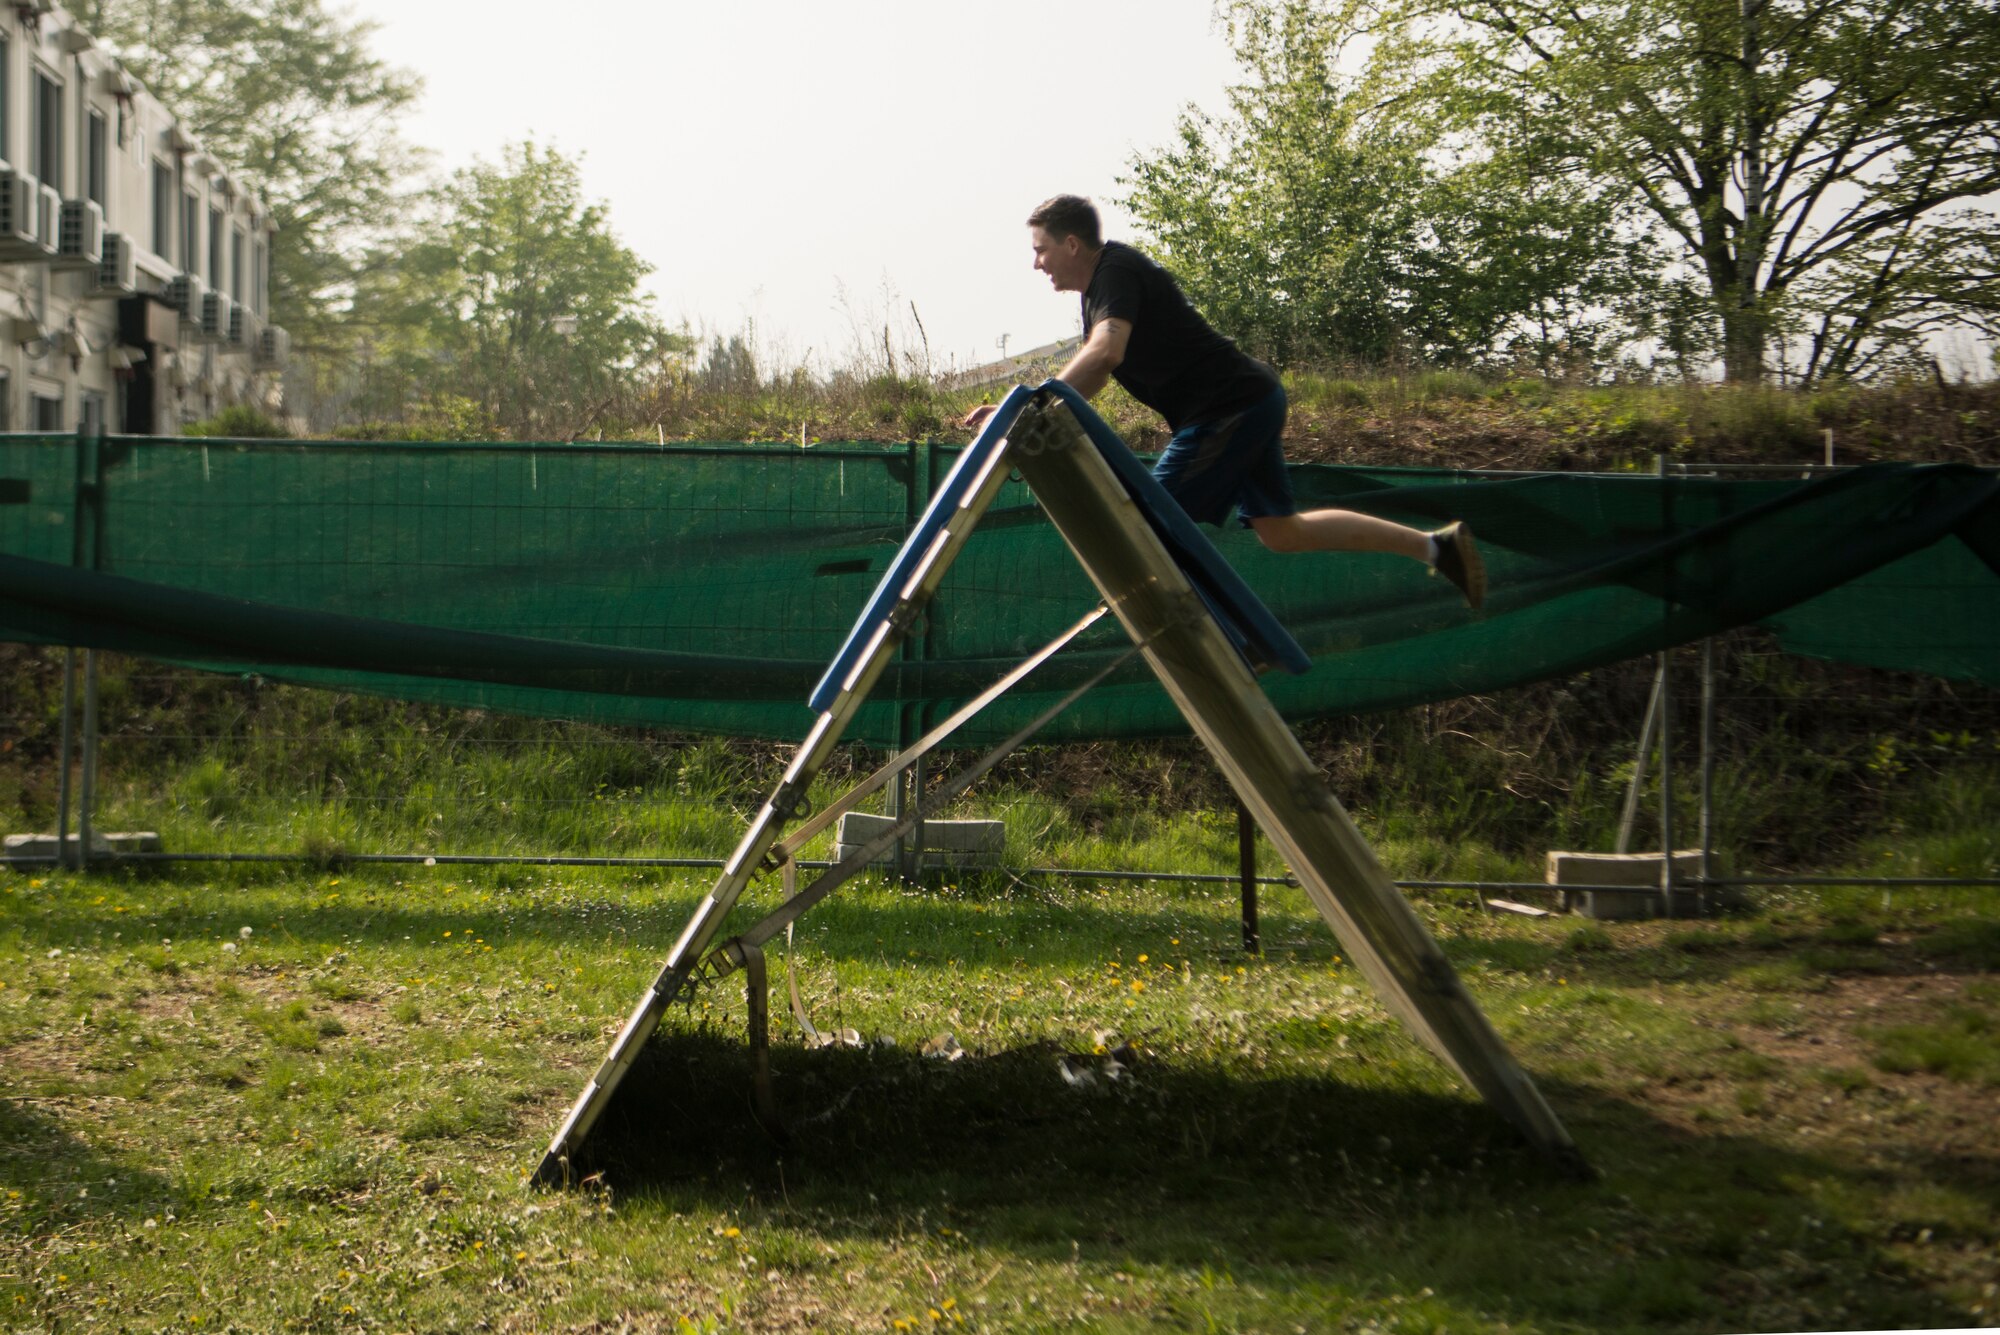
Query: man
column 1226, row 410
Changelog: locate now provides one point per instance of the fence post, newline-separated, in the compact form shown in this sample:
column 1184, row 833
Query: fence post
column 907, row 791
column 1702, row 900
column 90, row 437
column 86, row 547
column 67, row 739
column 1648, row 730
column 1666, row 691
column 1246, row 860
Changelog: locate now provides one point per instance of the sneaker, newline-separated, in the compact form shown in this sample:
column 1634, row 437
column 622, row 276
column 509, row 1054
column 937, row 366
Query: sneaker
column 1458, row 561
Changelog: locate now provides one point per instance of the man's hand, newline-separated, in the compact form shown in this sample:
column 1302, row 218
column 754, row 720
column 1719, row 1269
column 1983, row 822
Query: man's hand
column 977, row 416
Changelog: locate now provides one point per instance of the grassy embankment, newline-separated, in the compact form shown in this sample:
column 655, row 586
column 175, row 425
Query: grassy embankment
column 321, row 1124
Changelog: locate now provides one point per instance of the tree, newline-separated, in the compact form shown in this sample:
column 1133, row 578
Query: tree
column 513, row 293
column 1313, row 223
column 1819, row 165
column 288, row 94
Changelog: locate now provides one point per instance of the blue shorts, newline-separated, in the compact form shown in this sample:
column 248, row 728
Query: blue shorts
column 1235, row 462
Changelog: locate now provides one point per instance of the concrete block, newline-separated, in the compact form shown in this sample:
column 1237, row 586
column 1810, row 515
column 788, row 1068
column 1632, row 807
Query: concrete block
column 1641, row 872
column 947, row 843
column 31, row 852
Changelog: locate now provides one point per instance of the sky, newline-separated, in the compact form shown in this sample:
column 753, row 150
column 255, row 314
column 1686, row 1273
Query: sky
column 813, row 170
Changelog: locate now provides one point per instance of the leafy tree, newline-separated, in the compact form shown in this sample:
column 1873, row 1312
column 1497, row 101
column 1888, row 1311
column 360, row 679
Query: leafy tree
column 1818, row 166
column 287, row 92
column 1315, row 222
column 512, row 293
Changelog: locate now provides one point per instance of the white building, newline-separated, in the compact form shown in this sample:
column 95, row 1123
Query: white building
column 134, row 267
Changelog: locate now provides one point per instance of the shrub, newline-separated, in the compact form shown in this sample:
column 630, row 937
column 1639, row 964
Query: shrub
column 239, row 421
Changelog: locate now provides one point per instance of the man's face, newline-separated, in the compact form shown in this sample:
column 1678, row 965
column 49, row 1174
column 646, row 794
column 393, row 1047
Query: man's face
column 1062, row 258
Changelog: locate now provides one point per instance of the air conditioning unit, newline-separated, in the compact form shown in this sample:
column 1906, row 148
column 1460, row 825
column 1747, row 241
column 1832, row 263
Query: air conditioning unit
column 184, row 293
column 50, row 218
column 80, row 243
column 216, row 309
column 20, row 215
column 243, row 328
column 274, row 348
column 117, row 272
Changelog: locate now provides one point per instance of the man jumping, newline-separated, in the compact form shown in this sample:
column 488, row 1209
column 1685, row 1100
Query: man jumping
column 1226, row 409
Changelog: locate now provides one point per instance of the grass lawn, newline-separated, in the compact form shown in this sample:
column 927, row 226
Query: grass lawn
column 308, row 1102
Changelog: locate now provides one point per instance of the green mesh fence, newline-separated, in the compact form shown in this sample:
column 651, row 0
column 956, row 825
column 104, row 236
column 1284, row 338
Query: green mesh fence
column 706, row 587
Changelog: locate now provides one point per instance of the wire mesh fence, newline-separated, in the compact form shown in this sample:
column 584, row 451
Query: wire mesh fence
column 750, row 562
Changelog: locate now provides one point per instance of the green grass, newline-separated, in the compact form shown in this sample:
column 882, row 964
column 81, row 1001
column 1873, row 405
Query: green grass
column 324, row 1124
column 1962, row 1043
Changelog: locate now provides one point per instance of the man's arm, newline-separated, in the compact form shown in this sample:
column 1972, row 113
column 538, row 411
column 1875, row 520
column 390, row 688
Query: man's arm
column 1090, row 370
column 1087, row 372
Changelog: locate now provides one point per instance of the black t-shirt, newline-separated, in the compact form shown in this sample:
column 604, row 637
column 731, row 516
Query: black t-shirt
column 1175, row 363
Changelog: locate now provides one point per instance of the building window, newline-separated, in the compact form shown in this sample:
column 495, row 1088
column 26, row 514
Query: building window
column 190, row 231
column 94, row 163
column 45, row 413
column 93, row 412
column 260, row 277
column 163, row 210
column 48, row 159
column 215, row 248
column 6, row 402
column 236, row 288
column 6, row 100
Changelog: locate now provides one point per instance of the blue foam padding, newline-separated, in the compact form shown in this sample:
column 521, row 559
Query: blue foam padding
column 1260, row 636
column 936, row 516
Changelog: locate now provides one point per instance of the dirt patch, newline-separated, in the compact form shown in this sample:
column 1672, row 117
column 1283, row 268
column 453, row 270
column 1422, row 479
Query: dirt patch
column 365, row 1017
column 1814, row 1069
column 173, row 1006
column 38, row 1056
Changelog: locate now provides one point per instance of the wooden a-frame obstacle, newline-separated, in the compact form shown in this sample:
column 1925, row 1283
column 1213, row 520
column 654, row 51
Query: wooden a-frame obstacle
column 1204, row 634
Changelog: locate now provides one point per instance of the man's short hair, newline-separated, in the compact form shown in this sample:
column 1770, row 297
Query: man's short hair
column 1069, row 215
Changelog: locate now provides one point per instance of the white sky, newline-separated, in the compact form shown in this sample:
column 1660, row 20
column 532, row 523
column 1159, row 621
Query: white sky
column 767, row 156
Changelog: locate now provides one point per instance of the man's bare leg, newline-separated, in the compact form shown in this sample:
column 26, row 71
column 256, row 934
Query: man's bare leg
column 1341, row 531
column 1450, row 551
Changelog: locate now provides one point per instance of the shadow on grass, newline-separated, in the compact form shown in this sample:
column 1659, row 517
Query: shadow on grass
column 1299, row 1184
column 61, row 1177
